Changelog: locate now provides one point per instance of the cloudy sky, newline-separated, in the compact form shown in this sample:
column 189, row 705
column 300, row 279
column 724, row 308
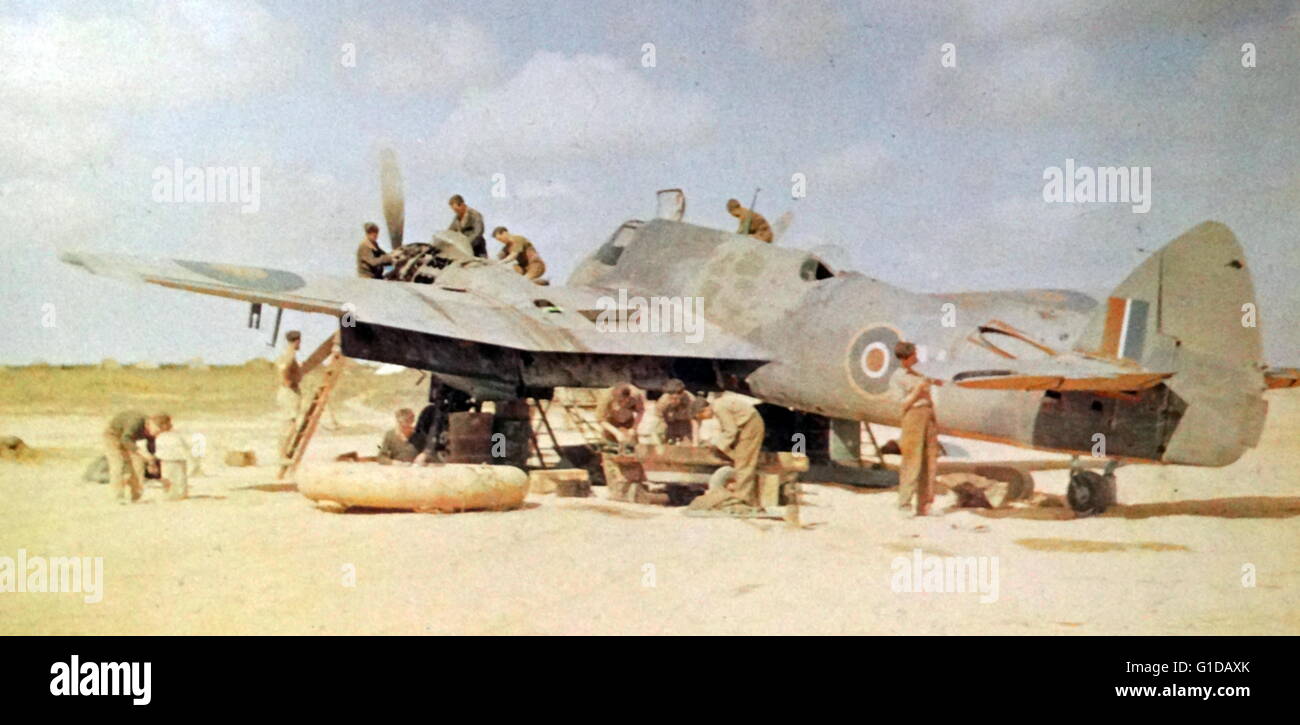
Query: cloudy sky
column 920, row 174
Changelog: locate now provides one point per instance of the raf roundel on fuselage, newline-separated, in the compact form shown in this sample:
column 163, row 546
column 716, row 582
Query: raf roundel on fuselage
column 870, row 359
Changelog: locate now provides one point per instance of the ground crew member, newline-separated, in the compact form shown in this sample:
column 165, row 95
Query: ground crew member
column 618, row 413
column 521, row 251
column 740, row 438
column 397, row 445
column 126, row 463
column 468, row 222
column 918, row 439
column 751, row 222
column 288, row 396
column 371, row 259
column 676, row 411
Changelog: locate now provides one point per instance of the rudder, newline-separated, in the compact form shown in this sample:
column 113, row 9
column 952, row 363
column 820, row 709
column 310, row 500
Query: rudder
column 1190, row 309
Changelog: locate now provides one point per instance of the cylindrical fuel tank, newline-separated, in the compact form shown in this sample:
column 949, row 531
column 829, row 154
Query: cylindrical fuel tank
column 448, row 487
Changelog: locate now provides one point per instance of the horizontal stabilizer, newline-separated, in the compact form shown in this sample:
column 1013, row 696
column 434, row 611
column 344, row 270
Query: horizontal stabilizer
column 1059, row 373
column 1282, row 378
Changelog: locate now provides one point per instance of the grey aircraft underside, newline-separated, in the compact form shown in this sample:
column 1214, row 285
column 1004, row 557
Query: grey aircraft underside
column 1168, row 368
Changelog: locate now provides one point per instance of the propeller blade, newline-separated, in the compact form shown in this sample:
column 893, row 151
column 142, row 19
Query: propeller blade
column 390, row 187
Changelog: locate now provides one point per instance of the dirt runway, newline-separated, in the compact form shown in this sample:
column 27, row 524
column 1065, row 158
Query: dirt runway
column 1188, row 551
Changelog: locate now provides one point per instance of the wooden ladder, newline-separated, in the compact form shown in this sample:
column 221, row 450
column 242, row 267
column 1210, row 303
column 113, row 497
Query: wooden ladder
column 310, row 419
column 573, row 412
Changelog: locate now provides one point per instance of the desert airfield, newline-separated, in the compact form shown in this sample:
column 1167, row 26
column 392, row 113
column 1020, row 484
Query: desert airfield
column 249, row 555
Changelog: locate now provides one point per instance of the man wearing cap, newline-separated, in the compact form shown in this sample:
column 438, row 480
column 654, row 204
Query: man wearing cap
column 521, row 252
column 397, row 444
column 468, row 222
column 288, row 396
column 371, row 259
column 751, row 222
column 676, row 411
column 918, row 438
column 126, row 462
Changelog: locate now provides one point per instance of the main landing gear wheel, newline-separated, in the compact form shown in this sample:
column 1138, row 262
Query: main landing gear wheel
column 1090, row 493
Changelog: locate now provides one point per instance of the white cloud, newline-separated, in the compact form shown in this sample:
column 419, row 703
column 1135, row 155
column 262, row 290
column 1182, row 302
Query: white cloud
column 151, row 55
column 444, row 58
column 69, row 82
column 564, row 108
column 46, row 143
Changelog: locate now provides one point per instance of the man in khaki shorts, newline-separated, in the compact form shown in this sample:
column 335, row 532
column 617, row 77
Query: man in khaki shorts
column 521, row 253
column 126, row 462
column 288, row 396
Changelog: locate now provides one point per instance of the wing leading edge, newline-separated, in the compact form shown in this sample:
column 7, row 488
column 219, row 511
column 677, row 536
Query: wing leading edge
column 490, row 305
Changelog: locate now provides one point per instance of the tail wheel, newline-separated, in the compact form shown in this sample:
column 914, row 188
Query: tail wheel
column 1090, row 493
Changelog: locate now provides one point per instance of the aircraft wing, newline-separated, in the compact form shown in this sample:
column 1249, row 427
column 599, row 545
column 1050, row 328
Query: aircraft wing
column 490, row 305
column 1065, row 372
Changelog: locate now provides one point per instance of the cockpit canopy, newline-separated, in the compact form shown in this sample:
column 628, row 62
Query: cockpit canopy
column 813, row 268
column 618, row 241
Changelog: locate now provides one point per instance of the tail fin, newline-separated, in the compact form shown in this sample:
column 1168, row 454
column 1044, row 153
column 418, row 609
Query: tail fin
column 1191, row 308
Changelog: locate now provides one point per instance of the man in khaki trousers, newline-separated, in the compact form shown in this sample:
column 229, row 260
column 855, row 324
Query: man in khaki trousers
column 919, row 438
column 126, row 462
column 740, row 438
column 288, row 395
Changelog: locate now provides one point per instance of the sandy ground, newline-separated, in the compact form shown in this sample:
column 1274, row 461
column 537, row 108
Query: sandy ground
column 248, row 555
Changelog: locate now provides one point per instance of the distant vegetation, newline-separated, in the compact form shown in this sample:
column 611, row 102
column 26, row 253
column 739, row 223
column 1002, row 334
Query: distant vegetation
column 245, row 390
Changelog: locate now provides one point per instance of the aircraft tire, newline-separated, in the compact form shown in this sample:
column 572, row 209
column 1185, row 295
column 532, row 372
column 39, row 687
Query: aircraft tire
column 1090, row 493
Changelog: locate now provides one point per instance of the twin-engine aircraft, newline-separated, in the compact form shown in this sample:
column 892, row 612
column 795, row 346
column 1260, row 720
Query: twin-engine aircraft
column 1167, row 369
